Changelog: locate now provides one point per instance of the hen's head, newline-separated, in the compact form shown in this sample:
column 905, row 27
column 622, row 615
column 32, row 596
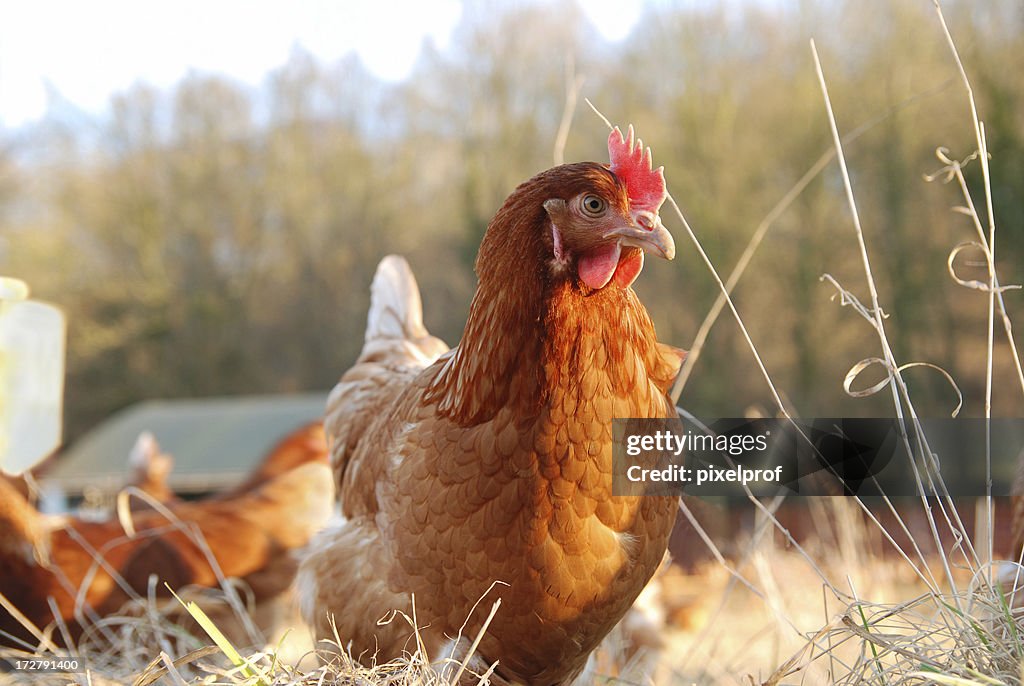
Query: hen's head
column 593, row 222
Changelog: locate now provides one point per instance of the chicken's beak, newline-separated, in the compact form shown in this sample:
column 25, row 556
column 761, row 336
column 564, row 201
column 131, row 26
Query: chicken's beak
column 647, row 233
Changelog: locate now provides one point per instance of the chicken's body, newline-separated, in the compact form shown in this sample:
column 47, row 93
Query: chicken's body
column 303, row 445
column 494, row 463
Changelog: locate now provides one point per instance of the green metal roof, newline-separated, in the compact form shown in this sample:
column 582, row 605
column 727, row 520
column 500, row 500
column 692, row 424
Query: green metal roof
column 214, row 441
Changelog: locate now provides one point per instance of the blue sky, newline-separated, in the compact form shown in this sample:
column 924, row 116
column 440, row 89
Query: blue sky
column 88, row 50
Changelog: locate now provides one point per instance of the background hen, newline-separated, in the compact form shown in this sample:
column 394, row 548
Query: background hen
column 493, row 463
column 149, row 468
column 91, row 569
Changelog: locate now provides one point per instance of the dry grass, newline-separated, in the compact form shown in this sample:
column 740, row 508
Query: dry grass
column 164, row 646
column 961, row 627
column 958, row 625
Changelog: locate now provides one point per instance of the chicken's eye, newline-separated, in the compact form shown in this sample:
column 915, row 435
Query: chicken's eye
column 593, row 205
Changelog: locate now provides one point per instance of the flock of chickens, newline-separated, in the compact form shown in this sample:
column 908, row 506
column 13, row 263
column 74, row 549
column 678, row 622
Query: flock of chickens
column 479, row 472
column 90, row 569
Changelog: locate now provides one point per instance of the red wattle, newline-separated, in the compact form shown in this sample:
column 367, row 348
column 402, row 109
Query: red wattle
column 629, row 268
column 597, row 266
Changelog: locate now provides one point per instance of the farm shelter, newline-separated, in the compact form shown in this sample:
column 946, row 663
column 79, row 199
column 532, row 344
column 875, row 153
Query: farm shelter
column 215, row 442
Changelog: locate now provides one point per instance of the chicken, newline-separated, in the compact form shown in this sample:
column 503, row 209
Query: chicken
column 488, row 470
column 300, row 446
column 19, row 483
column 250, row 536
column 22, row 548
column 149, row 469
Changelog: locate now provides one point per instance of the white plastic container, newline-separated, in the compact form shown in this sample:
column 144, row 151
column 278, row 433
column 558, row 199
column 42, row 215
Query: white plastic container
column 32, row 349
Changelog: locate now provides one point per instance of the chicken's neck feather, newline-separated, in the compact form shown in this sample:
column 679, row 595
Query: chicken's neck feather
column 531, row 332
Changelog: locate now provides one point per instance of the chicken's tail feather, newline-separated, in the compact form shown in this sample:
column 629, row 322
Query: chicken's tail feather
column 396, row 313
column 396, row 310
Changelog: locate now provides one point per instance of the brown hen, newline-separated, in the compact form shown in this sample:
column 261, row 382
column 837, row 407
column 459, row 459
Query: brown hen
column 91, row 569
column 494, row 462
column 300, row 446
column 149, row 470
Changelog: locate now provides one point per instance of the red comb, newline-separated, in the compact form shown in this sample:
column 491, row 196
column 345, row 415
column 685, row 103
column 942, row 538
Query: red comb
column 629, row 162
